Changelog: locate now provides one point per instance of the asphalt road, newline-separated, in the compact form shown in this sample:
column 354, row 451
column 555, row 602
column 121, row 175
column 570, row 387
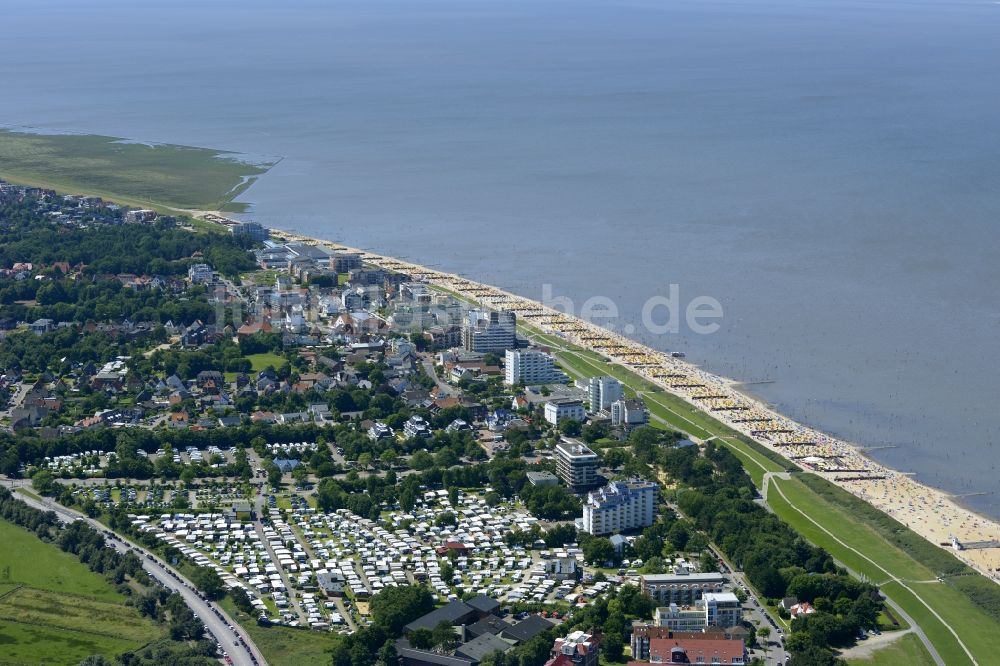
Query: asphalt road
column 234, row 641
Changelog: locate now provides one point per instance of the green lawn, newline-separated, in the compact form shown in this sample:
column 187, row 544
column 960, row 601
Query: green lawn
column 157, row 176
column 285, row 646
column 80, row 614
column 931, row 604
column 54, row 610
column 906, row 650
column 37, row 564
column 30, row 644
column 28, row 493
column 261, row 361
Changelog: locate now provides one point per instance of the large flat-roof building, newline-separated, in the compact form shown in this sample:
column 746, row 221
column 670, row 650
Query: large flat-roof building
column 714, row 609
column 252, row 230
column 620, row 506
column 564, row 408
column 542, row 478
column 722, row 609
column 681, row 588
column 576, row 464
column 530, row 366
column 489, row 331
column 697, row 650
column 680, row 618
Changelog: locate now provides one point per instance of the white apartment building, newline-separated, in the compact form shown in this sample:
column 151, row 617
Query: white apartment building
column 380, row 431
column 576, row 464
column 489, row 332
column 529, row 367
column 722, row 609
column 714, row 609
column 620, row 506
column 251, row 230
column 681, row 587
column 201, row 273
column 681, row 618
column 629, row 413
column 603, row 391
column 557, row 410
column 417, row 426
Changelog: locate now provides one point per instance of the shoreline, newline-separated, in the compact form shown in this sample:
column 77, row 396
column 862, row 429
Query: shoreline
column 928, row 511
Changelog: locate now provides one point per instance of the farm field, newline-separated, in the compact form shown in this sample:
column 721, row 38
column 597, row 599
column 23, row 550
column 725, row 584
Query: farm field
column 26, row 560
column 54, row 610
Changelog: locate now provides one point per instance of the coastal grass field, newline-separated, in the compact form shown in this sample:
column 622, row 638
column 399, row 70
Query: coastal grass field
column 162, row 177
column 54, row 610
column 30, row 645
column 26, row 560
column 285, row 646
column 906, row 650
column 952, row 622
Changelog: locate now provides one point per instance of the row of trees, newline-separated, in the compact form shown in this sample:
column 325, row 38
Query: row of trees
column 78, row 538
column 154, row 249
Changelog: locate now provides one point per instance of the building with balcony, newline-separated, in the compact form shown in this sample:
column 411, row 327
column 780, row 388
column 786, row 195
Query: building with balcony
column 557, row 410
column 489, row 332
column 629, row 413
column 417, row 426
column 620, row 506
column 682, row 587
column 576, row 464
column 530, row 367
column 603, row 391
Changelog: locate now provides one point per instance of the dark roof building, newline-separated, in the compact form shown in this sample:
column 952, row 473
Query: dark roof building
column 479, row 647
column 488, row 625
column 409, row 656
column 332, row 584
column 454, row 612
column 484, row 604
column 697, row 650
column 527, row 628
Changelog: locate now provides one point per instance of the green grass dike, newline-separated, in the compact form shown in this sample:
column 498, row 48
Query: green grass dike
column 906, row 650
column 55, row 611
column 164, row 177
column 961, row 630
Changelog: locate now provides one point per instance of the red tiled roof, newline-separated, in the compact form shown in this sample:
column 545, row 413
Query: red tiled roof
column 660, row 649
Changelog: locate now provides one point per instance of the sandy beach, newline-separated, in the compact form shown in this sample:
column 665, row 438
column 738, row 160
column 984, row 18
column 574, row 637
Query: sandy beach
column 928, row 511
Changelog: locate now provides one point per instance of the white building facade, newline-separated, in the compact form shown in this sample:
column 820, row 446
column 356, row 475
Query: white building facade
column 530, row 367
column 603, row 391
column 576, row 464
column 489, row 332
column 557, row 410
column 714, row 609
column 620, row 506
column 629, row 413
